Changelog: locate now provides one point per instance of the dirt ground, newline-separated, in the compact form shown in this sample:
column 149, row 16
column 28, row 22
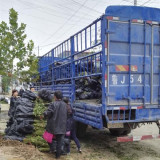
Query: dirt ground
column 97, row 145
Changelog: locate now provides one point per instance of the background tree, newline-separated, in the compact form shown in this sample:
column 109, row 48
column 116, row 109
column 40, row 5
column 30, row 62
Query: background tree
column 15, row 53
column 30, row 74
column 5, row 84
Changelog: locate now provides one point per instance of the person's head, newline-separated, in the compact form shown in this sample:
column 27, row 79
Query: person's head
column 58, row 95
column 66, row 100
column 32, row 89
column 14, row 93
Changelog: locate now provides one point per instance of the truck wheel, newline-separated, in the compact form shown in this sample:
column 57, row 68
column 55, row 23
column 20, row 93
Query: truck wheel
column 81, row 129
column 121, row 131
column 127, row 129
column 126, row 132
column 116, row 132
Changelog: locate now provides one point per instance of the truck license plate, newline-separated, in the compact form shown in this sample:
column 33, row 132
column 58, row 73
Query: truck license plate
column 115, row 125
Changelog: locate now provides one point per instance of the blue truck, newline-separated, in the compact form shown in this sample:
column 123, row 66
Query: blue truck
column 120, row 50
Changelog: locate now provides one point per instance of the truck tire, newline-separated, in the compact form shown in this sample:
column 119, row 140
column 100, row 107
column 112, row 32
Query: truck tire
column 126, row 132
column 81, row 129
column 116, row 132
column 121, row 131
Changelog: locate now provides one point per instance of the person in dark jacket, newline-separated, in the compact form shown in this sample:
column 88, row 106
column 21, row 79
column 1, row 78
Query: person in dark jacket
column 56, row 115
column 30, row 94
column 72, row 125
column 12, row 103
column 12, row 108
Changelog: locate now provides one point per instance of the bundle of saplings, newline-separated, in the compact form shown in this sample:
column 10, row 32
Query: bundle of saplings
column 41, row 105
column 21, row 118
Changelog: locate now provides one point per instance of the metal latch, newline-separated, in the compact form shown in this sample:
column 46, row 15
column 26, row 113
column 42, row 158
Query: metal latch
column 138, row 97
column 110, row 94
column 109, row 63
column 123, row 97
column 109, row 31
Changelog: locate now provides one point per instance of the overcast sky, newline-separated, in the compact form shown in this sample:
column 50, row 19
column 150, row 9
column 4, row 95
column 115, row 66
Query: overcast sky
column 49, row 22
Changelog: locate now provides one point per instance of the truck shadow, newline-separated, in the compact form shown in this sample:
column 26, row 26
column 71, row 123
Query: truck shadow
column 103, row 141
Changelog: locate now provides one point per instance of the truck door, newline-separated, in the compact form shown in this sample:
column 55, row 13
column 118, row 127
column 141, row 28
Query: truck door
column 134, row 52
column 156, row 64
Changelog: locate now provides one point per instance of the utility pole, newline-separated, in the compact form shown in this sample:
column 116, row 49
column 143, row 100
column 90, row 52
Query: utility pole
column 38, row 51
column 135, row 2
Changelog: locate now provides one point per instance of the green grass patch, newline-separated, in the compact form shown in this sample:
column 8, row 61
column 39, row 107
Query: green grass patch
column 3, row 102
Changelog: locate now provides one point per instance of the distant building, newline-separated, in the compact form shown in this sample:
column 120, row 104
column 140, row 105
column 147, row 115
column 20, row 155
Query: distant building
column 18, row 85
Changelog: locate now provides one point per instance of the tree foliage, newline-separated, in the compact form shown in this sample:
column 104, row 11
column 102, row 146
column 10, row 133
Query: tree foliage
column 15, row 53
column 6, row 80
column 30, row 74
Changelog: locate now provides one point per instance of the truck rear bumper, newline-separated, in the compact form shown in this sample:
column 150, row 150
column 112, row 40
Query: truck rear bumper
column 148, row 114
column 133, row 115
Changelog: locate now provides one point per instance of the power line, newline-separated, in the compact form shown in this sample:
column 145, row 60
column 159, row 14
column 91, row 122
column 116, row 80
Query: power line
column 48, row 20
column 49, row 44
column 52, row 9
column 69, row 28
column 128, row 1
column 37, row 29
column 75, row 2
column 81, row 18
column 66, row 21
column 92, row 9
column 43, row 19
column 51, row 20
column 145, row 2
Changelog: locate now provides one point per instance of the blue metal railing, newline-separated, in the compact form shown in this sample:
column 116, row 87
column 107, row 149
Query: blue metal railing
column 77, row 57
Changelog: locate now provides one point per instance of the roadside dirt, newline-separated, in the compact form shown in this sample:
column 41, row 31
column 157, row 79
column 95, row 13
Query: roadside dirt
column 14, row 150
column 97, row 145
